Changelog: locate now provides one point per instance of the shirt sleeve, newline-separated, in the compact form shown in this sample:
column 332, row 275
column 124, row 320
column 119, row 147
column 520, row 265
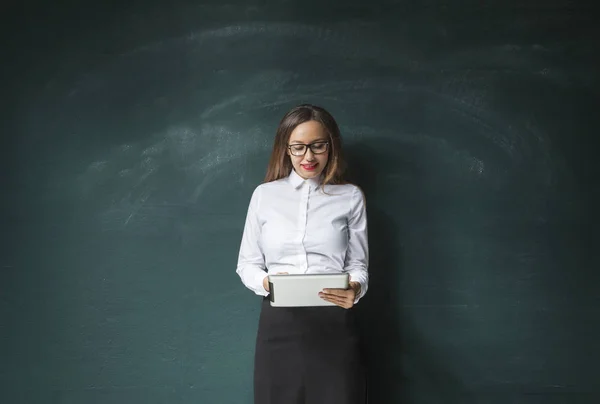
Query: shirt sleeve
column 251, row 261
column 357, row 254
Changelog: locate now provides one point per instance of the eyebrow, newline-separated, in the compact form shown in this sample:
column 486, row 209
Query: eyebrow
column 315, row 141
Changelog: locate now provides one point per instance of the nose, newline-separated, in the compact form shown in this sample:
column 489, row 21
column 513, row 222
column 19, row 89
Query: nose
column 309, row 156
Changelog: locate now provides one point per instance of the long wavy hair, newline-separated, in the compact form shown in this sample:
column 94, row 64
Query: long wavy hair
column 280, row 164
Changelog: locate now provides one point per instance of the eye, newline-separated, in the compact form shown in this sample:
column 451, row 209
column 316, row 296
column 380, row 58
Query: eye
column 321, row 146
column 297, row 147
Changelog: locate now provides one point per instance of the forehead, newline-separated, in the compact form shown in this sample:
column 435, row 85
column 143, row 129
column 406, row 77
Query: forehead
column 308, row 132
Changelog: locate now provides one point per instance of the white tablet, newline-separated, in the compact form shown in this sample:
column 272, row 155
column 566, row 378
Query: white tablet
column 302, row 290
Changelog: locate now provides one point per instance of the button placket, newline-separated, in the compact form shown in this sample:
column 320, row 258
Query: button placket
column 303, row 218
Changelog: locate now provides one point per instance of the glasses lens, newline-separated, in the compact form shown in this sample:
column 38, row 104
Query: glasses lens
column 298, row 150
column 318, row 148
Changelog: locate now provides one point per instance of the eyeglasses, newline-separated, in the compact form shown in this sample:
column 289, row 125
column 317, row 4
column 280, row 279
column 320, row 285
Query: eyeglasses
column 299, row 149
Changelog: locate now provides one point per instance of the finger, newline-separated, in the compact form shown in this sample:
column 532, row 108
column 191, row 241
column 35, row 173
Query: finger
column 338, row 292
column 335, row 299
column 332, row 297
column 344, row 304
column 339, row 302
column 341, row 294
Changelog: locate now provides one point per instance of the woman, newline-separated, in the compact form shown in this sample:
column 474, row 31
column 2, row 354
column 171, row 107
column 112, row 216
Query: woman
column 305, row 218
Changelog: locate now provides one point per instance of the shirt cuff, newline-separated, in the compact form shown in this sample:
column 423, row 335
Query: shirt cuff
column 363, row 287
column 259, row 289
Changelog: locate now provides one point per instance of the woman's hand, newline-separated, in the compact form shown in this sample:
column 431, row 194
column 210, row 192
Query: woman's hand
column 266, row 280
column 341, row 297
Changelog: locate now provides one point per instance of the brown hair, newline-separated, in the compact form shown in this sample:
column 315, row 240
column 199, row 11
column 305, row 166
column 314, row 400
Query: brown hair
column 280, row 164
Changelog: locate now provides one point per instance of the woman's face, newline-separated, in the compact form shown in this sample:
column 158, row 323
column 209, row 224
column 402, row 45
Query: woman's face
column 309, row 164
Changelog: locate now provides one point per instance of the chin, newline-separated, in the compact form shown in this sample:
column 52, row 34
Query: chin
column 308, row 174
column 314, row 174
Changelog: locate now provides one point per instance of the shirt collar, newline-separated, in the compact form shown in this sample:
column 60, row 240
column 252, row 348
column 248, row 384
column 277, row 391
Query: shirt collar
column 297, row 180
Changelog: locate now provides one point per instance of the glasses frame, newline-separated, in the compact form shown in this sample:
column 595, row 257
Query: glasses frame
column 309, row 146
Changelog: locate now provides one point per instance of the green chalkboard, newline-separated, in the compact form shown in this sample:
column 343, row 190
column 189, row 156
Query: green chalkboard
column 134, row 134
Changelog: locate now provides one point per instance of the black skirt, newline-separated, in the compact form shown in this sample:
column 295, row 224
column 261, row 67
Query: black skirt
column 308, row 355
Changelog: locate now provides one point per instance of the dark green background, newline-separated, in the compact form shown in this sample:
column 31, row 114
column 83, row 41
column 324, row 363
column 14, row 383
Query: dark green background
column 134, row 132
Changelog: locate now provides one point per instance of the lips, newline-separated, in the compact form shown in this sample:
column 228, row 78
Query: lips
column 309, row 167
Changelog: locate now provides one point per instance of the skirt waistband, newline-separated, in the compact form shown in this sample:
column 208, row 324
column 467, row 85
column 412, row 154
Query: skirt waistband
column 321, row 322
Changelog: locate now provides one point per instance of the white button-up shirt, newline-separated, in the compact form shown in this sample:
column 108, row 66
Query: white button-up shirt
column 293, row 226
